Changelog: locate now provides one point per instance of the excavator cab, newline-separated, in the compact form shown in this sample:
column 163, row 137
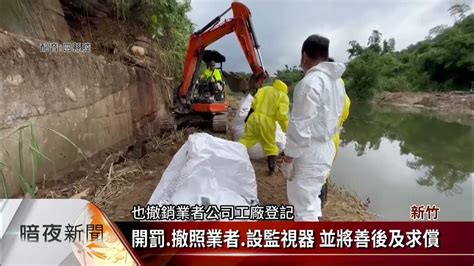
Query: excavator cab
column 207, row 89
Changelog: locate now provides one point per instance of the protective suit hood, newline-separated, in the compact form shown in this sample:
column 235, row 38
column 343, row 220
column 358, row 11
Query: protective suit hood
column 280, row 86
column 332, row 69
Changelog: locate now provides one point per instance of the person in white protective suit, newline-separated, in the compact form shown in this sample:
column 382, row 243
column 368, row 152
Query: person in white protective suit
column 318, row 102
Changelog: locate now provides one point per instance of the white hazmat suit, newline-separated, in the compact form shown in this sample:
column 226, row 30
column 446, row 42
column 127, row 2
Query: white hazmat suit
column 318, row 102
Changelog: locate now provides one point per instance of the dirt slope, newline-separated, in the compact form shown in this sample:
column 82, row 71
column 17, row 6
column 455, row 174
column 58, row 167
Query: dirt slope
column 452, row 102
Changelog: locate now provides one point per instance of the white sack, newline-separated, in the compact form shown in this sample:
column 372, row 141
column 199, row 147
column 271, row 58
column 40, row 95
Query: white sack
column 208, row 170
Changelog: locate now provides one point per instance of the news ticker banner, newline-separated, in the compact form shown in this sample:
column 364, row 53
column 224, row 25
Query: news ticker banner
column 440, row 243
column 75, row 232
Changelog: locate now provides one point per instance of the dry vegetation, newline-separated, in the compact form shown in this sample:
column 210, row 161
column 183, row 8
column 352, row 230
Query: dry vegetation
column 120, row 173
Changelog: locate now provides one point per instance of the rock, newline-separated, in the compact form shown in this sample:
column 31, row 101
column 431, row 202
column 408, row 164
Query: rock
column 21, row 53
column 70, row 94
column 41, row 110
column 14, row 80
column 143, row 39
column 30, row 42
column 137, row 50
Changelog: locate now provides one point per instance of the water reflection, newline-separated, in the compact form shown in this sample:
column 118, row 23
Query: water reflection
column 442, row 151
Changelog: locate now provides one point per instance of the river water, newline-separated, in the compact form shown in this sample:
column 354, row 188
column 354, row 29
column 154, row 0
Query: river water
column 396, row 159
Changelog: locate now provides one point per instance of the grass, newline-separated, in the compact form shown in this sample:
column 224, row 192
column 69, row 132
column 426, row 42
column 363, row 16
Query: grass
column 160, row 143
column 28, row 184
column 118, row 173
column 4, row 183
column 117, row 181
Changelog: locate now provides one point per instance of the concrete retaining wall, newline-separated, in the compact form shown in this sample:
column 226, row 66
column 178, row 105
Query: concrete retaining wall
column 39, row 19
column 94, row 103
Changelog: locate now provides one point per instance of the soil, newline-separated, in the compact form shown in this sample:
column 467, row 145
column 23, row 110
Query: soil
column 460, row 103
column 117, row 180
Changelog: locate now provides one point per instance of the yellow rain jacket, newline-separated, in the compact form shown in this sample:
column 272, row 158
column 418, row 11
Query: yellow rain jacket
column 211, row 75
column 271, row 105
column 342, row 119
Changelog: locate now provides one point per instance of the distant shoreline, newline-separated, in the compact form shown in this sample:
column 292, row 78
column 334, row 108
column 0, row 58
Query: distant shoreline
column 449, row 106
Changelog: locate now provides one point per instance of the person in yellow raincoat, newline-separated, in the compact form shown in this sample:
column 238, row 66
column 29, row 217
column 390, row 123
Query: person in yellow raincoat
column 271, row 105
column 211, row 73
column 344, row 116
column 213, row 77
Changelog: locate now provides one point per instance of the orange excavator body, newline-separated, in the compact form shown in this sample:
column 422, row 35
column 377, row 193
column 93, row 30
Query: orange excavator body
column 241, row 24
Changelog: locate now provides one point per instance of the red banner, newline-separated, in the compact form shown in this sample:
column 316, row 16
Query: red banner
column 324, row 243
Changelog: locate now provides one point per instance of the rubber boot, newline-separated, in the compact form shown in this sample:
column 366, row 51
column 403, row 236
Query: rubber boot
column 323, row 196
column 271, row 164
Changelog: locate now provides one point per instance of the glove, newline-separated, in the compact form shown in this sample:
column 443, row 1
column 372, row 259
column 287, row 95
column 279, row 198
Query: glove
column 286, row 168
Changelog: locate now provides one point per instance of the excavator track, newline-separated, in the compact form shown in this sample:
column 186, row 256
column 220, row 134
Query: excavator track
column 219, row 123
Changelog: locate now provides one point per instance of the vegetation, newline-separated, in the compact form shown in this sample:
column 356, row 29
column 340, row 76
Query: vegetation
column 166, row 21
column 28, row 146
column 442, row 62
column 290, row 75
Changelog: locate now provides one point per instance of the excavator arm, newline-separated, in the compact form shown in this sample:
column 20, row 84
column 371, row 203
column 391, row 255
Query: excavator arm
column 242, row 26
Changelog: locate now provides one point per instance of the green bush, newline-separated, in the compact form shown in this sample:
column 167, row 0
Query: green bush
column 440, row 63
column 166, row 21
column 291, row 76
column 399, row 83
column 362, row 76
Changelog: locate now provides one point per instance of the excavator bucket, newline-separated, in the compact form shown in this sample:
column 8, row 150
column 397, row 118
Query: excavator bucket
column 240, row 83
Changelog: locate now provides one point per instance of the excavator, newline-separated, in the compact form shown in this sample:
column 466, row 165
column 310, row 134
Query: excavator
column 198, row 101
